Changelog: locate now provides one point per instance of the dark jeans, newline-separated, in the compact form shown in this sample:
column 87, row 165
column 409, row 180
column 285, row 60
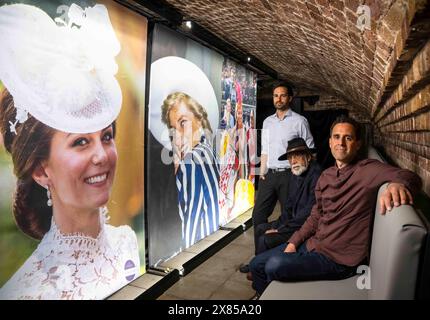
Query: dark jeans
column 275, row 264
column 273, row 188
column 270, row 240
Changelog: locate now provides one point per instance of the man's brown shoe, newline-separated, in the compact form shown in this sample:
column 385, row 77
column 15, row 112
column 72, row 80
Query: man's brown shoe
column 249, row 276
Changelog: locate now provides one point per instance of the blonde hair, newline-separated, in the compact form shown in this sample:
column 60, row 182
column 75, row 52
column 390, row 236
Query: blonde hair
column 196, row 108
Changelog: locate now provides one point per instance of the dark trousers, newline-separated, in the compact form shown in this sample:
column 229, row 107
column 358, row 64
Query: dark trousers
column 270, row 240
column 273, row 188
column 275, row 264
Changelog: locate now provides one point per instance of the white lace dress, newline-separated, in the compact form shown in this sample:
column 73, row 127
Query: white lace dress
column 77, row 266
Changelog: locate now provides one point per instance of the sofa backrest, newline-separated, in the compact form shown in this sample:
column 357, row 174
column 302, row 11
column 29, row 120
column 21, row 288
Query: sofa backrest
column 395, row 251
column 372, row 153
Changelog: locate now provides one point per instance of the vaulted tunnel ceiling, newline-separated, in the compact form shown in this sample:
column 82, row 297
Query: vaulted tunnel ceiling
column 315, row 44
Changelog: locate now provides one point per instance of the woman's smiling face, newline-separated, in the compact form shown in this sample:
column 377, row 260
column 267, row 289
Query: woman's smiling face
column 81, row 168
column 186, row 129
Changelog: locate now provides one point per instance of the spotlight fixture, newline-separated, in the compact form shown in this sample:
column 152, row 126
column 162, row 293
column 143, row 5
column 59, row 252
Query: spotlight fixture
column 188, row 24
column 249, row 59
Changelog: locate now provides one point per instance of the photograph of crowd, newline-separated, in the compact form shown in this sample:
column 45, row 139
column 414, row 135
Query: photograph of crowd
column 237, row 140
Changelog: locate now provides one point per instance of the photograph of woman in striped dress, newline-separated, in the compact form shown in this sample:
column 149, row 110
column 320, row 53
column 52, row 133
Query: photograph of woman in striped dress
column 196, row 166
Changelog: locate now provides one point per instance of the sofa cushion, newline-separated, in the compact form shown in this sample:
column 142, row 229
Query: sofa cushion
column 397, row 239
column 345, row 289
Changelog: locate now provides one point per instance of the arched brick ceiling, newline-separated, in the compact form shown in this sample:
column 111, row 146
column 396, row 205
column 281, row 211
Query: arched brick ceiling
column 315, row 44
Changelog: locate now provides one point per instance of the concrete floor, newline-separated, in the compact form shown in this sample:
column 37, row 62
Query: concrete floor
column 218, row 278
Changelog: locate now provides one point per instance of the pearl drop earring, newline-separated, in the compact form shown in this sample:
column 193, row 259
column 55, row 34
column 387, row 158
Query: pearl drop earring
column 48, row 193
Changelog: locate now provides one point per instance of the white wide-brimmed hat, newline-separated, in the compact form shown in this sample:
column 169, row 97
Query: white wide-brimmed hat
column 174, row 74
column 62, row 73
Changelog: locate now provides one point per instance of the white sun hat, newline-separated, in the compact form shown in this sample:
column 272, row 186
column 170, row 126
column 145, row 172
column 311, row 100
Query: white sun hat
column 174, row 74
column 63, row 74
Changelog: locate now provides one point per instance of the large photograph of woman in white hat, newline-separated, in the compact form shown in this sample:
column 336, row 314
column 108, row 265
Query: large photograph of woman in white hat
column 61, row 128
column 183, row 167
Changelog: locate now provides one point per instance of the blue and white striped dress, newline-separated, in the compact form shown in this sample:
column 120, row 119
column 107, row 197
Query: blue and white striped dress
column 197, row 182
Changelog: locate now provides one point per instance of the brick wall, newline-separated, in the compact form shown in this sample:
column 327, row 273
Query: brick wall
column 376, row 73
column 403, row 122
column 311, row 43
column 327, row 102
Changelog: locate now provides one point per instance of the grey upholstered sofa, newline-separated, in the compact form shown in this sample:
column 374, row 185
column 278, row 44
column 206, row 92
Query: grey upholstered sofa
column 395, row 251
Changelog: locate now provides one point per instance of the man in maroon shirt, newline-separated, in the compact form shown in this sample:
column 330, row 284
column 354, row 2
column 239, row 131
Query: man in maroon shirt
column 334, row 240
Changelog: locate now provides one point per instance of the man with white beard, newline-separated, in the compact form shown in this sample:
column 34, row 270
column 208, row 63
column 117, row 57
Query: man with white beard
column 301, row 197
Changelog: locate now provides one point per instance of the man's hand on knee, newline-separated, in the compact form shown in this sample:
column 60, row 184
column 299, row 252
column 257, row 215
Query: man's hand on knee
column 271, row 231
column 395, row 194
column 291, row 248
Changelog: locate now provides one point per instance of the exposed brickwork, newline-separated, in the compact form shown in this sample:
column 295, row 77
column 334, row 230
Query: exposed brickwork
column 413, row 107
column 381, row 75
column 413, row 34
column 417, row 76
column 314, row 44
column 327, row 102
column 411, row 160
column 400, row 140
column 404, row 121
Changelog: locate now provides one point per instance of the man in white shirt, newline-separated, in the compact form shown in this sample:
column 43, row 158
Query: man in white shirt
column 278, row 129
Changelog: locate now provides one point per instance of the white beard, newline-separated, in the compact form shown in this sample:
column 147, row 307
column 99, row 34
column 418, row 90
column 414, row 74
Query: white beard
column 297, row 170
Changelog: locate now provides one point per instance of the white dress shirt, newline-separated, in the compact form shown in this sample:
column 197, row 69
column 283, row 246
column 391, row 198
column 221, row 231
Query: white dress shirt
column 276, row 134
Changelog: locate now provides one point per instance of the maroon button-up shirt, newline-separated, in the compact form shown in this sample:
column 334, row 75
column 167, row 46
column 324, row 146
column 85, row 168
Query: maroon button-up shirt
column 338, row 226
